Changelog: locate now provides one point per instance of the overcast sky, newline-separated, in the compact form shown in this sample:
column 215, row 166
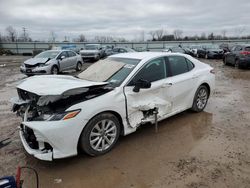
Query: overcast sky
column 123, row 18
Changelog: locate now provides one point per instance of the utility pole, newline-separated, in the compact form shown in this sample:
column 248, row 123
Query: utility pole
column 24, row 34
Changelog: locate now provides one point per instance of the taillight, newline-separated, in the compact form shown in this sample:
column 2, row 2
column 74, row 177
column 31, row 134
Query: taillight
column 212, row 71
column 245, row 53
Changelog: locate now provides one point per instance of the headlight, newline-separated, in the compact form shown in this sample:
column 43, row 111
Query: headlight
column 42, row 65
column 60, row 116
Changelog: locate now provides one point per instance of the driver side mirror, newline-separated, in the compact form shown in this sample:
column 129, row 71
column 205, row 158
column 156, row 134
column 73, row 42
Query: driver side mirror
column 62, row 57
column 141, row 84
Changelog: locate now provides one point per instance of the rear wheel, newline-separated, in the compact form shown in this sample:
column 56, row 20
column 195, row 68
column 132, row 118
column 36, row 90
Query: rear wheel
column 100, row 134
column 78, row 66
column 54, row 70
column 237, row 64
column 200, row 99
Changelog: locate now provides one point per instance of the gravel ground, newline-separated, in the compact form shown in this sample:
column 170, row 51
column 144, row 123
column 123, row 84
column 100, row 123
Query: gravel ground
column 208, row 149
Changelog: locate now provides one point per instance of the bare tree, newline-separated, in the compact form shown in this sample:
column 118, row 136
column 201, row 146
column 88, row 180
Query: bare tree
column 11, row 33
column 177, row 34
column 81, row 38
column 159, row 33
column 152, row 33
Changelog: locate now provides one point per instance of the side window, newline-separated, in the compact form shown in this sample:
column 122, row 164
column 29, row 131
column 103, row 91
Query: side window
column 238, row 48
column 71, row 54
column 189, row 64
column 122, row 50
column 178, row 65
column 152, row 71
column 64, row 53
column 115, row 49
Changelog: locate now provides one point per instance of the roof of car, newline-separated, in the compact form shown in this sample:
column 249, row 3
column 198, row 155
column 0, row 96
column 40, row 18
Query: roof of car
column 143, row 55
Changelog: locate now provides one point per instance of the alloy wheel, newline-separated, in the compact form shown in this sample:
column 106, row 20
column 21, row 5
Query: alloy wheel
column 201, row 100
column 103, row 135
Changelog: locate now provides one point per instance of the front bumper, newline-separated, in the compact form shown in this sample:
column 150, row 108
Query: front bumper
column 48, row 140
column 90, row 56
column 35, row 70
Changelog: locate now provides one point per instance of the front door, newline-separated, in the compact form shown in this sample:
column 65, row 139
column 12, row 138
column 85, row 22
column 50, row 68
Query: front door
column 64, row 62
column 140, row 104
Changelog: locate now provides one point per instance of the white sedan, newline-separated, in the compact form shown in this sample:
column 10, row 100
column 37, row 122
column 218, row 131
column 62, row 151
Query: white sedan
column 113, row 97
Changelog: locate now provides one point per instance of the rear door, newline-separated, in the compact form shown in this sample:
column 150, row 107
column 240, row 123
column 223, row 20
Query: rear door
column 183, row 82
column 72, row 59
column 233, row 54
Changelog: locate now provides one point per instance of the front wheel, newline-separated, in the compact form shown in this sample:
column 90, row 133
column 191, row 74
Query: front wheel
column 100, row 134
column 237, row 64
column 54, row 70
column 200, row 99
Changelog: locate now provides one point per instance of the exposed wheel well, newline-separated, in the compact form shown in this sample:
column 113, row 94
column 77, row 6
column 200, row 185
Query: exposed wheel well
column 208, row 87
column 57, row 66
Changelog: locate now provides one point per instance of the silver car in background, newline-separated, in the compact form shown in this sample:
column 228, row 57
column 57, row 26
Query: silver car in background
column 52, row 62
column 92, row 51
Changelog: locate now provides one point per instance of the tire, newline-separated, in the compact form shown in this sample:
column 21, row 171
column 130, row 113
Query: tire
column 225, row 61
column 78, row 66
column 100, row 134
column 54, row 70
column 200, row 99
column 237, row 64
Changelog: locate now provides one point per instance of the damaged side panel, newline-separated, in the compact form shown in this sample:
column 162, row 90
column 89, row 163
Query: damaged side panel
column 141, row 105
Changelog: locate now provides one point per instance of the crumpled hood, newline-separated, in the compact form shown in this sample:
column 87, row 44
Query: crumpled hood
column 34, row 61
column 89, row 51
column 55, row 84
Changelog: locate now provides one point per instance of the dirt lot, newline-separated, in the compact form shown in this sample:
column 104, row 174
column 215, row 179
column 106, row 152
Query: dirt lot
column 208, row 149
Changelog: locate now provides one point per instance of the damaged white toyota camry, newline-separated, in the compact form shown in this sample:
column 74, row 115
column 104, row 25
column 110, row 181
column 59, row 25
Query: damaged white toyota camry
column 64, row 114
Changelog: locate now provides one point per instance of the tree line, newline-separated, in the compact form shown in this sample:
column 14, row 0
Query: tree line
column 11, row 35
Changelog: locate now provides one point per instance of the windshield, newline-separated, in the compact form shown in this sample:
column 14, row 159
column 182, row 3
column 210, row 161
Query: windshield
column 91, row 47
column 48, row 54
column 113, row 70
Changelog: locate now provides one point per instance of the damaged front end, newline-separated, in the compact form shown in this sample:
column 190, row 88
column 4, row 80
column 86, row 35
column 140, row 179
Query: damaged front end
column 38, row 110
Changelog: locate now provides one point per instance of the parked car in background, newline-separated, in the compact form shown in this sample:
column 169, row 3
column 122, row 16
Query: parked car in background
column 64, row 114
column 174, row 49
column 239, row 56
column 210, row 52
column 118, row 50
column 92, row 51
column 194, row 50
column 52, row 62
column 178, row 49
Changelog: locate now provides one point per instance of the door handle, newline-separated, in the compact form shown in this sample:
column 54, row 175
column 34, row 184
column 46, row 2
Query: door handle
column 164, row 85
